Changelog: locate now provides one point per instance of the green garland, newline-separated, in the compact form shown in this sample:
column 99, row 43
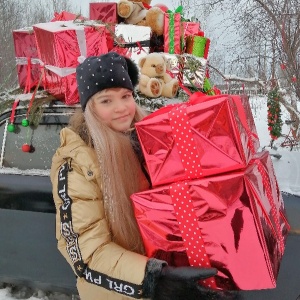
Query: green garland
column 274, row 114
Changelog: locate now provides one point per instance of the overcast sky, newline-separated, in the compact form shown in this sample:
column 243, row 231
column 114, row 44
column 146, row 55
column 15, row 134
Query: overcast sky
column 215, row 26
column 84, row 4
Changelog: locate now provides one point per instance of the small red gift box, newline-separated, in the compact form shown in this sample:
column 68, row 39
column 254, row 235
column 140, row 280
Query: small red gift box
column 189, row 28
column 66, row 16
column 104, row 11
column 107, row 13
column 62, row 45
column 205, row 136
column 28, row 64
column 198, row 45
column 172, row 33
column 236, row 221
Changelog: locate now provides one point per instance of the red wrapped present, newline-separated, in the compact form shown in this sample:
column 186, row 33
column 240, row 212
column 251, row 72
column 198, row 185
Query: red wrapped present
column 172, row 33
column 189, row 28
column 197, row 45
column 62, row 45
column 107, row 13
column 66, row 16
column 235, row 221
column 104, row 11
column 28, row 64
column 205, row 136
column 245, row 112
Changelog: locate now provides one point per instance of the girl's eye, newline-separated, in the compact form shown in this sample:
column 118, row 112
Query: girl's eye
column 126, row 96
column 105, row 101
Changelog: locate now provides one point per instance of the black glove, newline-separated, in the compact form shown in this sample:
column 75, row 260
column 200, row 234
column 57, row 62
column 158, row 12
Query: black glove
column 181, row 284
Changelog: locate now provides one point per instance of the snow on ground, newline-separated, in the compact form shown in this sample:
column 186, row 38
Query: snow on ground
column 9, row 292
column 287, row 170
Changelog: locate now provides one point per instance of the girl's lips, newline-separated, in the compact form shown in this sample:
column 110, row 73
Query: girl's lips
column 122, row 117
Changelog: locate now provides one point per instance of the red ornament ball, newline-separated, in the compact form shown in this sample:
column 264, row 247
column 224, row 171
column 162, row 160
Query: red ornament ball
column 282, row 66
column 163, row 7
column 26, row 148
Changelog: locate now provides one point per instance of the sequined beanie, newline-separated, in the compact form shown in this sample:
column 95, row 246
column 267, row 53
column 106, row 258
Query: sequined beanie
column 109, row 70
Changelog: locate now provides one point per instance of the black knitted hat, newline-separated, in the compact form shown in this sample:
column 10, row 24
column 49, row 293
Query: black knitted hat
column 109, row 70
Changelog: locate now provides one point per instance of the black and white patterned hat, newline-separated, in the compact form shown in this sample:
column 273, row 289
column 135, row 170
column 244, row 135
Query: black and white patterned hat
column 109, row 70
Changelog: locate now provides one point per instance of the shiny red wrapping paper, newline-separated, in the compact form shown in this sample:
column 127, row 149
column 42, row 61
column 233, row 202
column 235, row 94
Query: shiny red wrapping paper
column 240, row 215
column 62, row 45
column 172, row 33
column 107, row 13
column 66, row 16
column 190, row 28
column 26, row 48
column 104, row 11
column 205, row 136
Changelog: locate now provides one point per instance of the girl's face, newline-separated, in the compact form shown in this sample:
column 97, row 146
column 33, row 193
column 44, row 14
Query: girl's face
column 115, row 107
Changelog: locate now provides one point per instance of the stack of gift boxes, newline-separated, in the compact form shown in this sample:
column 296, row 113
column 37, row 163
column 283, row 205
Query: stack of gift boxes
column 214, row 200
column 49, row 52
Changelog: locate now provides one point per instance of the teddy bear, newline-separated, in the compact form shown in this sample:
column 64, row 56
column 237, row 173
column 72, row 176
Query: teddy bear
column 154, row 78
column 140, row 13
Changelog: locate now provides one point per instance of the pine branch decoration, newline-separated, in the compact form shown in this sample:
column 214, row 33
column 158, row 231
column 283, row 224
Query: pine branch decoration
column 274, row 114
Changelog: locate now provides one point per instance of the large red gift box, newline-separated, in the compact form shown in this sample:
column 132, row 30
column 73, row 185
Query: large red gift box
column 236, row 221
column 205, row 136
column 28, row 66
column 62, row 45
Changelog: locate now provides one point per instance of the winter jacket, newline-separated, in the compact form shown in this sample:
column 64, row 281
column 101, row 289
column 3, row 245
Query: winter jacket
column 104, row 270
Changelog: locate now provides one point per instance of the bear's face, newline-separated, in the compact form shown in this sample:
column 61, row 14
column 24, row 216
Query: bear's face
column 153, row 65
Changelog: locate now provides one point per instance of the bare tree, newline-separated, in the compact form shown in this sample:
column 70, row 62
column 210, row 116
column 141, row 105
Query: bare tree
column 9, row 18
column 269, row 44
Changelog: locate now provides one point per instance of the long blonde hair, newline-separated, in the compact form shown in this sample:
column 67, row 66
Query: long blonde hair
column 120, row 171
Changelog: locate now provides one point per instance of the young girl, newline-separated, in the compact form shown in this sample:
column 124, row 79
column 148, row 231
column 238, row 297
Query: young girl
column 94, row 172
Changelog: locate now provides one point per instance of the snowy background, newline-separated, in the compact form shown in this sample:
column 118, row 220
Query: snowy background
column 287, row 171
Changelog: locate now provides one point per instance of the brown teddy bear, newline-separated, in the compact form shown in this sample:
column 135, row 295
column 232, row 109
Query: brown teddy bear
column 154, row 79
column 135, row 13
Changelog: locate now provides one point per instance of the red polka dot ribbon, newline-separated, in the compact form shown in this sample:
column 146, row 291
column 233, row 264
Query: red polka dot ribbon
column 190, row 153
column 191, row 233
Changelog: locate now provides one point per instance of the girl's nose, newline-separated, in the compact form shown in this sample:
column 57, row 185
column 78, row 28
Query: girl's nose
column 120, row 106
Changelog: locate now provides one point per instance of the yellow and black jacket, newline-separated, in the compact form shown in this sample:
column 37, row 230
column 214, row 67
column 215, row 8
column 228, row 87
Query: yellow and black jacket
column 104, row 269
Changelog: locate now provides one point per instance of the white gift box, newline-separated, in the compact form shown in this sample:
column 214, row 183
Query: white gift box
column 134, row 40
